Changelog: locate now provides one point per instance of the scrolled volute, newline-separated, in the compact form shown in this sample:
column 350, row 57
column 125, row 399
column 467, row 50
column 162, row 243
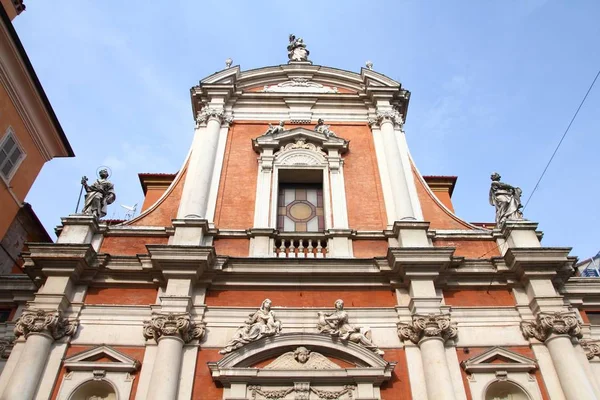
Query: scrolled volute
column 557, row 323
column 387, row 115
column 173, row 324
column 426, row 326
column 206, row 113
column 47, row 322
column 591, row 348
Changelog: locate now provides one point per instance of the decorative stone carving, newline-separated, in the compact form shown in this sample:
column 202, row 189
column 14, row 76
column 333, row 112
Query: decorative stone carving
column 389, row 115
column 506, row 199
column 98, row 195
column 428, row 325
column 546, row 324
column 275, row 129
column 302, row 392
column 300, row 143
column 46, row 322
column 322, row 128
column 172, row 324
column 297, row 49
column 369, row 64
column 302, row 358
column 228, row 62
column 206, row 113
column 5, row 347
column 260, row 324
column 591, row 348
column 299, row 85
column 336, row 324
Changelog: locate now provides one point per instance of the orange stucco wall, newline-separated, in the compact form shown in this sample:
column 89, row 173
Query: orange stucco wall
column 470, row 248
column 134, row 352
column 444, row 197
column 167, row 209
column 479, row 298
column 152, row 195
column 362, row 297
column 232, row 247
column 369, row 248
column 125, row 296
column 204, row 388
column 129, row 246
column 27, row 171
column 397, row 388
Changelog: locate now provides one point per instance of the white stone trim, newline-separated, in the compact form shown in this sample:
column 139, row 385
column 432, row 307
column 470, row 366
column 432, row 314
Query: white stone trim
column 216, row 177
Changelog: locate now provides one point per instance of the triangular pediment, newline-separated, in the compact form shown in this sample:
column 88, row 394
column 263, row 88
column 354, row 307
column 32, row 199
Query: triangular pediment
column 102, row 357
column 285, row 137
column 496, row 359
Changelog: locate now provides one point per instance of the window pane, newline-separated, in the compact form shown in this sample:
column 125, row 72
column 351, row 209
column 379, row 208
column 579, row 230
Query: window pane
column 3, row 156
column 15, row 155
column 7, row 168
column 9, row 144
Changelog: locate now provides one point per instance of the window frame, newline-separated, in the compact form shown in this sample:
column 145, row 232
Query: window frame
column 10, row 133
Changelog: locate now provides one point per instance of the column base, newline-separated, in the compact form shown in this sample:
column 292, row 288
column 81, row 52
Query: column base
column 517, row 234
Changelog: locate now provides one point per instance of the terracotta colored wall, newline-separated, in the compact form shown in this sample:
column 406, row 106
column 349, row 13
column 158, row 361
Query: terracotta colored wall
column 444, row 197
column 369, row 248
column 129, row 246
column 302, row 298
column 125, row 296
column 233, row 247
column 29, row 168
column 134, row 352
column 364, row 196
column 475, row 351
column 479, row 298
column 152, row 195
column 204, row 388
column 471, row 248
column 397, row 388
column 165, row 211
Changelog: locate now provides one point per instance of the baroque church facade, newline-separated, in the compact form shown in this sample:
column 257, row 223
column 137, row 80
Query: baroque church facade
column 298, row 254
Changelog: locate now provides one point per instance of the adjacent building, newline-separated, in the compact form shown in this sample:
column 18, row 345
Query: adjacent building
column 300, row 254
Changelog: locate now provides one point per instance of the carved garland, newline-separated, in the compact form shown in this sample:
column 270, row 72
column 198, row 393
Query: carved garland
column 301, row 143
column 428, row 325
column 303, row 389
column 41, row 321
column 170, row 324
column 546, row 324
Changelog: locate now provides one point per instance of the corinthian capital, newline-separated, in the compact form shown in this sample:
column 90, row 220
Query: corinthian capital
column 41, row 321
column 392, row 116
column 426, row 326
column 207, row 112
column 169, row 324
column 546, row 324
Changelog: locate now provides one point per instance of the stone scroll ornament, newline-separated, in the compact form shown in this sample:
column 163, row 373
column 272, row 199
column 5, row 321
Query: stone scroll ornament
column 261, row 323
column 428, row 326
column 336, row 324
column 207, row 112
column 506, row 199
column 98, row 195
column 591, row 348
column 172, row 324
column 297, row 49
column 546, row 324
column 44, row 322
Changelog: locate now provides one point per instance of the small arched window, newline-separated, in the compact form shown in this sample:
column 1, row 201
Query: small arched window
column 505, row 390
column 94, row 390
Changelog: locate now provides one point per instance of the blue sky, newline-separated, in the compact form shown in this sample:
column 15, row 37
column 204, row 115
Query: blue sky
column 494, row 85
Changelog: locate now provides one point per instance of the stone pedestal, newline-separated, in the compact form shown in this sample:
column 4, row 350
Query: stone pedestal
column 80, row 229
column 262, row 242
column 340, row 245
column 411, row 233
column 517, row 234
column 189, row 232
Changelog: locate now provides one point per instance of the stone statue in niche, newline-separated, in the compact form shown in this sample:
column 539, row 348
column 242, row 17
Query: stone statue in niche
column 260, row 324
column 302, row 358
column 506, row 199
column 297, row 49
column 98, row 195
column 322, row 128
column 336, row 324
column 275, row 129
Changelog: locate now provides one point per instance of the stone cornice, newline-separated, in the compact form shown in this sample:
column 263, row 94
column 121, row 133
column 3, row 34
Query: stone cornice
column 172, row 324
column 58, row 259
column 51, row 323
column 547, row 325
column 541, row 263
column 425, row 326
column 184, row 262
column 419, row 262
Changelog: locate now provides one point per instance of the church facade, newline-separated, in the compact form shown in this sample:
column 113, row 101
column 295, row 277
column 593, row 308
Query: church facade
column 299, row 254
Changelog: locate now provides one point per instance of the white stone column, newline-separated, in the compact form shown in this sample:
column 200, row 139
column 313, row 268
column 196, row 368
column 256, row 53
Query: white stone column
column 196, row 189
column 403, row 207
column 40, row 329
column 430, row 332
column 263, row 189
column 171, row 331
column 338, row 190
column 556, row 330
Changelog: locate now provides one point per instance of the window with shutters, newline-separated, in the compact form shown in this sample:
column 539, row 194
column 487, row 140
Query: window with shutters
column 11, row 154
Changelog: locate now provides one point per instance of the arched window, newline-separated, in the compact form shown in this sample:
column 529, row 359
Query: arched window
column 94, row 390
column 505, row 390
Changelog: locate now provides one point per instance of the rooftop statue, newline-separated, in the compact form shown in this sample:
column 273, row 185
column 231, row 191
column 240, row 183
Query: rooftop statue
column 336, row 324
column 322, row 128
column 275, row 129
column 98, row 195
column 297, row 49
column 506, row 199
column 260, row 324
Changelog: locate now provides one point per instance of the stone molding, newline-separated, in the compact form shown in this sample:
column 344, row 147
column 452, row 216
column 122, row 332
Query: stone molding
column 174, row 325
column 548, row 324
column 425, row 326
column 204, row 115
column 591, row 348
column 392, row 116
column 51, row 323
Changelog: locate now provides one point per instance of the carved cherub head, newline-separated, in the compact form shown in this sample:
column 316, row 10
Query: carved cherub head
column 339, row 304
column 301, row 354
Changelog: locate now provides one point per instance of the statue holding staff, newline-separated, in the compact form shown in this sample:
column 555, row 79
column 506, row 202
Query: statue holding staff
column 98, row 195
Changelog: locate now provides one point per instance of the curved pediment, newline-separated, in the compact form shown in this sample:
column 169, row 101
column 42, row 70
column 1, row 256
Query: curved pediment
column 300, row 138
